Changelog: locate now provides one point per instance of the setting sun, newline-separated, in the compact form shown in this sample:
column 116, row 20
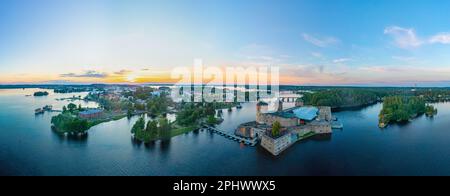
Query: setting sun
column 131, row 78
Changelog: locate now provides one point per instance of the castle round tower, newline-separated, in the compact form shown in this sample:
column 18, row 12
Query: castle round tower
column 261, row 109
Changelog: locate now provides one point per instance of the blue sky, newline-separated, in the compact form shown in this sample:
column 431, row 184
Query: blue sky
column 363, row 42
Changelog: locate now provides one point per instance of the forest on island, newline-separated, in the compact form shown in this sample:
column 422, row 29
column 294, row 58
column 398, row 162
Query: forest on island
column 341, row 98
column 402, row 108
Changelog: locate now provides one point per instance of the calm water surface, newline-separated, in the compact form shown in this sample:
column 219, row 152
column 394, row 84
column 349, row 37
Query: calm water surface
column 29, row 147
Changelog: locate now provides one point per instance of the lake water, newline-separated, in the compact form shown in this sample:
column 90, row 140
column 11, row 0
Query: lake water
column 29, row 147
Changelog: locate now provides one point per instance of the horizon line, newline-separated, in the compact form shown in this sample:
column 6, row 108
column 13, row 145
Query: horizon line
column 171, row 84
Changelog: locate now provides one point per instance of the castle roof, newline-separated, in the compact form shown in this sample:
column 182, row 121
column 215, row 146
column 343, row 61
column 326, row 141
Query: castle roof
column 305, row 113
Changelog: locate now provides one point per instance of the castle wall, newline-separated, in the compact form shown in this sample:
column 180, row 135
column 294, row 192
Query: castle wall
column 270, row 119
column 320, row 128
column 276, row 146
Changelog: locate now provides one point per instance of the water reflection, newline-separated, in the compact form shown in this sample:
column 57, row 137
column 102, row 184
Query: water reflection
column 165, row 145
column 321, row 137
column 136, row 142
column 80, row 138
column 31, row 148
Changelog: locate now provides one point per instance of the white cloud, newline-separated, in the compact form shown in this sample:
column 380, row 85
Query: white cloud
column 407, row 38
column 442, row 38
column 377, row 69
column 320, row 42
column 86, row 74
column 341, row 60
column 403, row 37
column 261, row 58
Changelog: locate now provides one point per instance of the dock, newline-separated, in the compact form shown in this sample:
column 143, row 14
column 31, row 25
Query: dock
column 246, row 141
column 337, row 125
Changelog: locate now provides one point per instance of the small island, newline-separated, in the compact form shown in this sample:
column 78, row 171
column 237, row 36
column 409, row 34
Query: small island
column 430, row 111
column 69, row 121
column 402, row 109
column 40, row 93
column 190, row 117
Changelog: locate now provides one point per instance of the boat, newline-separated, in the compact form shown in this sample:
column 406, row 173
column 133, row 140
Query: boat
column 48, row 108
column 39, row 111
column 337, row 125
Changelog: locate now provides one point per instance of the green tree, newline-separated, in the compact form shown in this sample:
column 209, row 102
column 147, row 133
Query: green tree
column 152, row 128
column 276, row 129
column 401, row 108
column 209, row 109
column 158, row 105
column 68, row 123
column 430, row 110
column 211, row 120
column 71, row 107
column 164, row 128
column 129, row 113
column 139, row 125
column 341, row 97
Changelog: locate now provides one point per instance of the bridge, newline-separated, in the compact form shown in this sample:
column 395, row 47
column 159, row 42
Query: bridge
column 289, row 97
column 251, row 142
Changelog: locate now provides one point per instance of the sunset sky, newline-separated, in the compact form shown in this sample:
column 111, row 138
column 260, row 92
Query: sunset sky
column 380, row 43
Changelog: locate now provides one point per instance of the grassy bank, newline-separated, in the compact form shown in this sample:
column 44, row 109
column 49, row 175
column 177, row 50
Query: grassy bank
column 145, row 135
column 307, row 135
column 93, row 123
column 182, row 130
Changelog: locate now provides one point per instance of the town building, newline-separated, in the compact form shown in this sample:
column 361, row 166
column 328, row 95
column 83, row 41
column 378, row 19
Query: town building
column 155, row 93
column 164, row 89
column 91, row 113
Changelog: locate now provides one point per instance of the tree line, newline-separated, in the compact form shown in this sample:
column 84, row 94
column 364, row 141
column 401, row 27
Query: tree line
column 338, row 98
column 153, row 130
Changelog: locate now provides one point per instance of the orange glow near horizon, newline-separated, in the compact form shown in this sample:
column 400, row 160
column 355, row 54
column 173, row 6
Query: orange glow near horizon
column 143, row 76
column 128, row 78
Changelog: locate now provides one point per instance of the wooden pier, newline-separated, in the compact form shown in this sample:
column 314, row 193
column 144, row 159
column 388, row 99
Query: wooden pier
column 250, row 142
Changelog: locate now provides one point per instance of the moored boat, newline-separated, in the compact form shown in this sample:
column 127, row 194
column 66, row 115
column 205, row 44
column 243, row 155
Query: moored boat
column 48, row 108
column 337, row 125
column 38, row 111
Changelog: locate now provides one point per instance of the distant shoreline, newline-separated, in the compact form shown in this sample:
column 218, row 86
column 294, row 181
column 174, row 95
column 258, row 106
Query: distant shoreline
column 354, row 107
column 282, row 87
